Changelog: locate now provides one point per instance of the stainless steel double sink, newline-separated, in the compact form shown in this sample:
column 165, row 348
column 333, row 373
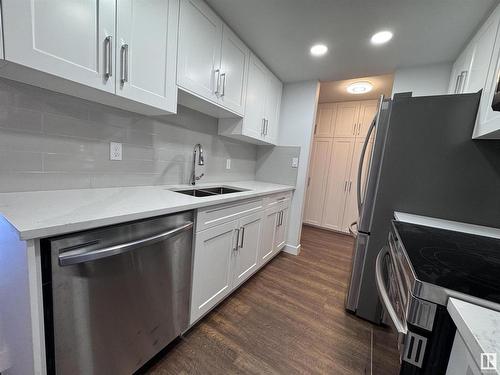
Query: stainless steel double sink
column 209, row 191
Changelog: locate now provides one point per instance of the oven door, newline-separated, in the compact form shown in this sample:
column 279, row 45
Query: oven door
column 390, row 292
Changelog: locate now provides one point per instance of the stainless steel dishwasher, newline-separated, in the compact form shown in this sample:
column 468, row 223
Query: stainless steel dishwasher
column 114, row 297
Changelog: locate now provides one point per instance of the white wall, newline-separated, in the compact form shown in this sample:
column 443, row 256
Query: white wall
column 298, row 115
column 423, row 80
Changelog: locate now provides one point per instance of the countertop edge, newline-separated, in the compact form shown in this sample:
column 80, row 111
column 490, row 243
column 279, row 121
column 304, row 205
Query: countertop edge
column 33, row 234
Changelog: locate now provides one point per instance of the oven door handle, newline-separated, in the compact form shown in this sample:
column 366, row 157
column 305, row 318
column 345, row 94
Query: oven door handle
column 384, row 295
column 76, row 256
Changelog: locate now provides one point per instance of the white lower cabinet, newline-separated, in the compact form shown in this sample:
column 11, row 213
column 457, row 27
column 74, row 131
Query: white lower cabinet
column 227, row 254
column 212, row 269
column 247, row 251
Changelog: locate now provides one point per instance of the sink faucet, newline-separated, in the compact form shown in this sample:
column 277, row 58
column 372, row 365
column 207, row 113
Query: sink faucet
column 201, row 161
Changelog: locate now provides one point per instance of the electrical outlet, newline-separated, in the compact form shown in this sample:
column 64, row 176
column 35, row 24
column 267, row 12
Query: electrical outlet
column 295, row 162
column 228, row 163
column 115, row 151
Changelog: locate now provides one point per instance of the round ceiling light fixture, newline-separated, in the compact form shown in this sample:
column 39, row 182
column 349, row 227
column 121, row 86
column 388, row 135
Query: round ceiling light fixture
column 381, row 37
column 361, row 87
column 319, row 50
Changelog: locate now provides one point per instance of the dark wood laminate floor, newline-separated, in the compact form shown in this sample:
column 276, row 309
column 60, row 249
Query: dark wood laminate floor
column 287, row 319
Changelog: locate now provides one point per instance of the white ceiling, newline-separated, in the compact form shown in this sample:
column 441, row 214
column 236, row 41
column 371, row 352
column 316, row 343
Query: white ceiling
column 336, row 91
column 282, row 31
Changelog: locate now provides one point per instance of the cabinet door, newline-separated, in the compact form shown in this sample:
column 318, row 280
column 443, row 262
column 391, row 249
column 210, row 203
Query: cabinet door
column 488, row 121
column 334, row 203
column 351, row 213
column 212, row 276
column 325, row 120
column 367, row 111
column 347, row 119
column 234, row 68
column 72, row 39
column 200, row 35
column 253, row 123
column 142, row 27
column 273, row 105
column 281, row 229
column 268, row 233
column 245, row 262
column 483, row 47
column 318, row 177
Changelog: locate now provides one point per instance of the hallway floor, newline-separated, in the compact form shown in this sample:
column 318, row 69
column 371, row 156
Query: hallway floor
column 287, row 319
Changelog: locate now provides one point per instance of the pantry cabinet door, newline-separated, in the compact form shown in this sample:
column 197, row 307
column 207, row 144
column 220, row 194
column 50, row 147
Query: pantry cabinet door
column 334, row 203
column 325, row 120
column 147, row 52
column 212, row 267
column 71, row 39
column 367, row 112
column 347, row 119
column 234, row 68
column 246, row 255
column 317, row 182
column 199, row 49
column 351, row 213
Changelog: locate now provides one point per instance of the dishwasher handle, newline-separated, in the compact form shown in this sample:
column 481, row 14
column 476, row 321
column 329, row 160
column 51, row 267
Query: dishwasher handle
column 76, row 256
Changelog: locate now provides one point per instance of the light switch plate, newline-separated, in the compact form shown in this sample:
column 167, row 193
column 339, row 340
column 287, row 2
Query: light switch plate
column 115, row 151
column 295, row 162
column 228, row 163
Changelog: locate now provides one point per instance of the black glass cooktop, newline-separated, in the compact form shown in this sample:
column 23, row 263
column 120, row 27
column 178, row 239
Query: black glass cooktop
column 466, row 263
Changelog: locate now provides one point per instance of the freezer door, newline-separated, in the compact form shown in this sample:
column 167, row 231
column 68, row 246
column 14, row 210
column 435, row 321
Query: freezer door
column 358, row 260
column 367, row 200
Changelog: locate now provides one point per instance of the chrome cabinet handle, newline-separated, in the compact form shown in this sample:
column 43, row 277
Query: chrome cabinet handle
column 263, row 132
column 359, row 128
column 242, row 231
column 267, row 126
column 350, row 184
column 345, row 185
column 223, row 76
column 384, row 295
column 354, row 129
column 281, row 218
column 217, row 87
column 463, row 80
column 71, row 257
column 124, row 63
column 237, row 240
column 108, row 57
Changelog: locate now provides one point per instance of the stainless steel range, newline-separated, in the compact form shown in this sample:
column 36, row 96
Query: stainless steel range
column 416, row 273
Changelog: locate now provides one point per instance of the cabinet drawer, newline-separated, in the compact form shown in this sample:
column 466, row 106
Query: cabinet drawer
column 224, row 213
column 276, row 199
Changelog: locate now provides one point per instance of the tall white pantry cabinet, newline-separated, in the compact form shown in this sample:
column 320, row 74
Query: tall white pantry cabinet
column 340, row 132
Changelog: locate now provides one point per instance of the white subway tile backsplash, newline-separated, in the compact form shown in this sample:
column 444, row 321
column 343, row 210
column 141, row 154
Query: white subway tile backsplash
column 54, row 141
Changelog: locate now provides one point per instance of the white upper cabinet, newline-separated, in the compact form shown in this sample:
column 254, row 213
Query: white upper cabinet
column 260, row 123
column 71, row 39
column 367, row 111
column 119, row 53
column 200, row 35
column 233, row 72
column 142, row 27
column 213, row 61
column 273, row 106
column 254, row 121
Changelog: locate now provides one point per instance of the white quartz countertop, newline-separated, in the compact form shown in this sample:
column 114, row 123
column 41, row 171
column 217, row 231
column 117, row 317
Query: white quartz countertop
column 47, row 213
column 478, row 326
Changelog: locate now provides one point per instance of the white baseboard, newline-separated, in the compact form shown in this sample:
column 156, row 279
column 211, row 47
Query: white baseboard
column 294, row 250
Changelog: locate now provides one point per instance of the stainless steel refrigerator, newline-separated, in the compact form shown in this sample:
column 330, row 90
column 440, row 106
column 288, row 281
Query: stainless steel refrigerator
column 424, row 162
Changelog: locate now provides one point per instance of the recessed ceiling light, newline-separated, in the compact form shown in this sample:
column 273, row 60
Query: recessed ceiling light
column 361, row 87
column 319, row 50
column 381, row 37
